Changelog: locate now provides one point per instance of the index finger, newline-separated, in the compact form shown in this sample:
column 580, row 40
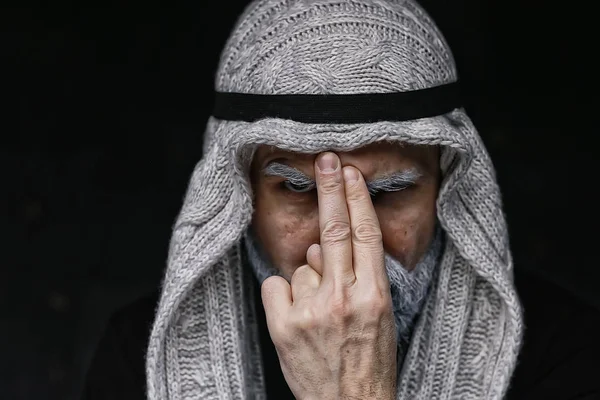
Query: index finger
column 334, row 222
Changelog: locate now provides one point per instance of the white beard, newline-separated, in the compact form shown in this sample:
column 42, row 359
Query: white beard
column 409, row 289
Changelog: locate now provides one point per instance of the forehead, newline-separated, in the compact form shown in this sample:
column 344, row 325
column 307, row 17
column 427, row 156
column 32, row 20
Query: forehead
column 371, row 159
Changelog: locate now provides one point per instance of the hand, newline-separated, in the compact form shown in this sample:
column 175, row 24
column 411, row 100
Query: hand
column 333, row 326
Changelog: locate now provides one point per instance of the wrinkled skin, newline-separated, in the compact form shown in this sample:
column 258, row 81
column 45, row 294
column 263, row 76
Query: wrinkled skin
column 287, row 223
column 330, row 317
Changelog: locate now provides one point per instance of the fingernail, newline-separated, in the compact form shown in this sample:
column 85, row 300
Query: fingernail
column 350, row 175
column 328, row 162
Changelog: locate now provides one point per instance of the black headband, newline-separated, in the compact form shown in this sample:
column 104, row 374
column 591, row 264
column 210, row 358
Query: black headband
column 339, row 108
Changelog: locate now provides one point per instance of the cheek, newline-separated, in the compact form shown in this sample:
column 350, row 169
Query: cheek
column 286, row 233
column 407, row 233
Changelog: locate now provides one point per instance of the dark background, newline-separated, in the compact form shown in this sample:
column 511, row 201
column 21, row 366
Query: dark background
column 103, row 120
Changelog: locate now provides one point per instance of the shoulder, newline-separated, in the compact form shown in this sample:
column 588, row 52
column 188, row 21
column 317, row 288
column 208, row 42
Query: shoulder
column 117, row 370
column 129, row 327
column 560, row 351
column 135, row 318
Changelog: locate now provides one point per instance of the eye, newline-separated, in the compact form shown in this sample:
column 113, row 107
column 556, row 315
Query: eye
column 297, row 188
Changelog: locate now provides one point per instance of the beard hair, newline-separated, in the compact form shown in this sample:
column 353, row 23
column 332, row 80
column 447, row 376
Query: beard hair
column 409, row 289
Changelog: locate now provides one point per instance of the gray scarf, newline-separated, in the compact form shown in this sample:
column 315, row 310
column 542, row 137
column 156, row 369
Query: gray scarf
column 204, row 342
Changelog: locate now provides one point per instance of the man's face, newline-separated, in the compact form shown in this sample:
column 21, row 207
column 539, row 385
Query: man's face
column 404, row 180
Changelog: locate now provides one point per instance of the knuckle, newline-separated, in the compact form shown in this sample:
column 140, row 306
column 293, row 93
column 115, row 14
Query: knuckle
column 308, row 320
column 279, row 333
column 329, row 184
column 304, row 319
column 335, row 231
column 300, row 273
column 367, row 232
column 383, row 305
column 340, row 308
column 354, row 193
column 377, row 304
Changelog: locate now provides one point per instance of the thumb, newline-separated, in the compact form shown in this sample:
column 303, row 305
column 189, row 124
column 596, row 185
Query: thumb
column 276, row 295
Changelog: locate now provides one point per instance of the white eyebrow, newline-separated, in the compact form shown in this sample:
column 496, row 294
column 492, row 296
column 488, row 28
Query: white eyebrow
column 392, row 182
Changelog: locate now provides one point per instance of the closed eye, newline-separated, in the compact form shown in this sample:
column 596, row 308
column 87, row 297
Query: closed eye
column 298, row 187
column 297, row 182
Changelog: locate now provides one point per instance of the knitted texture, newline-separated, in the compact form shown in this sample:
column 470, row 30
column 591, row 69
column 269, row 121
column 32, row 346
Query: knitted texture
column 204, row 342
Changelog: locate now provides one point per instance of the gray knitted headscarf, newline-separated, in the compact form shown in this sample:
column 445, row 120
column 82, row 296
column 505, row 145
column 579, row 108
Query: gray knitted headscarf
column 204, row 341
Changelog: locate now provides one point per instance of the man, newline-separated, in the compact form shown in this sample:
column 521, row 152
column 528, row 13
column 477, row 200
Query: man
column 343, row 235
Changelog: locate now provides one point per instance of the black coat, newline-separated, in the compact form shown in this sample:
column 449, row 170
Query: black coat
column 560, row 358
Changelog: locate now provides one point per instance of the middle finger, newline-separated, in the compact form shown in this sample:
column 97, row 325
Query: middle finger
column 334, row 222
